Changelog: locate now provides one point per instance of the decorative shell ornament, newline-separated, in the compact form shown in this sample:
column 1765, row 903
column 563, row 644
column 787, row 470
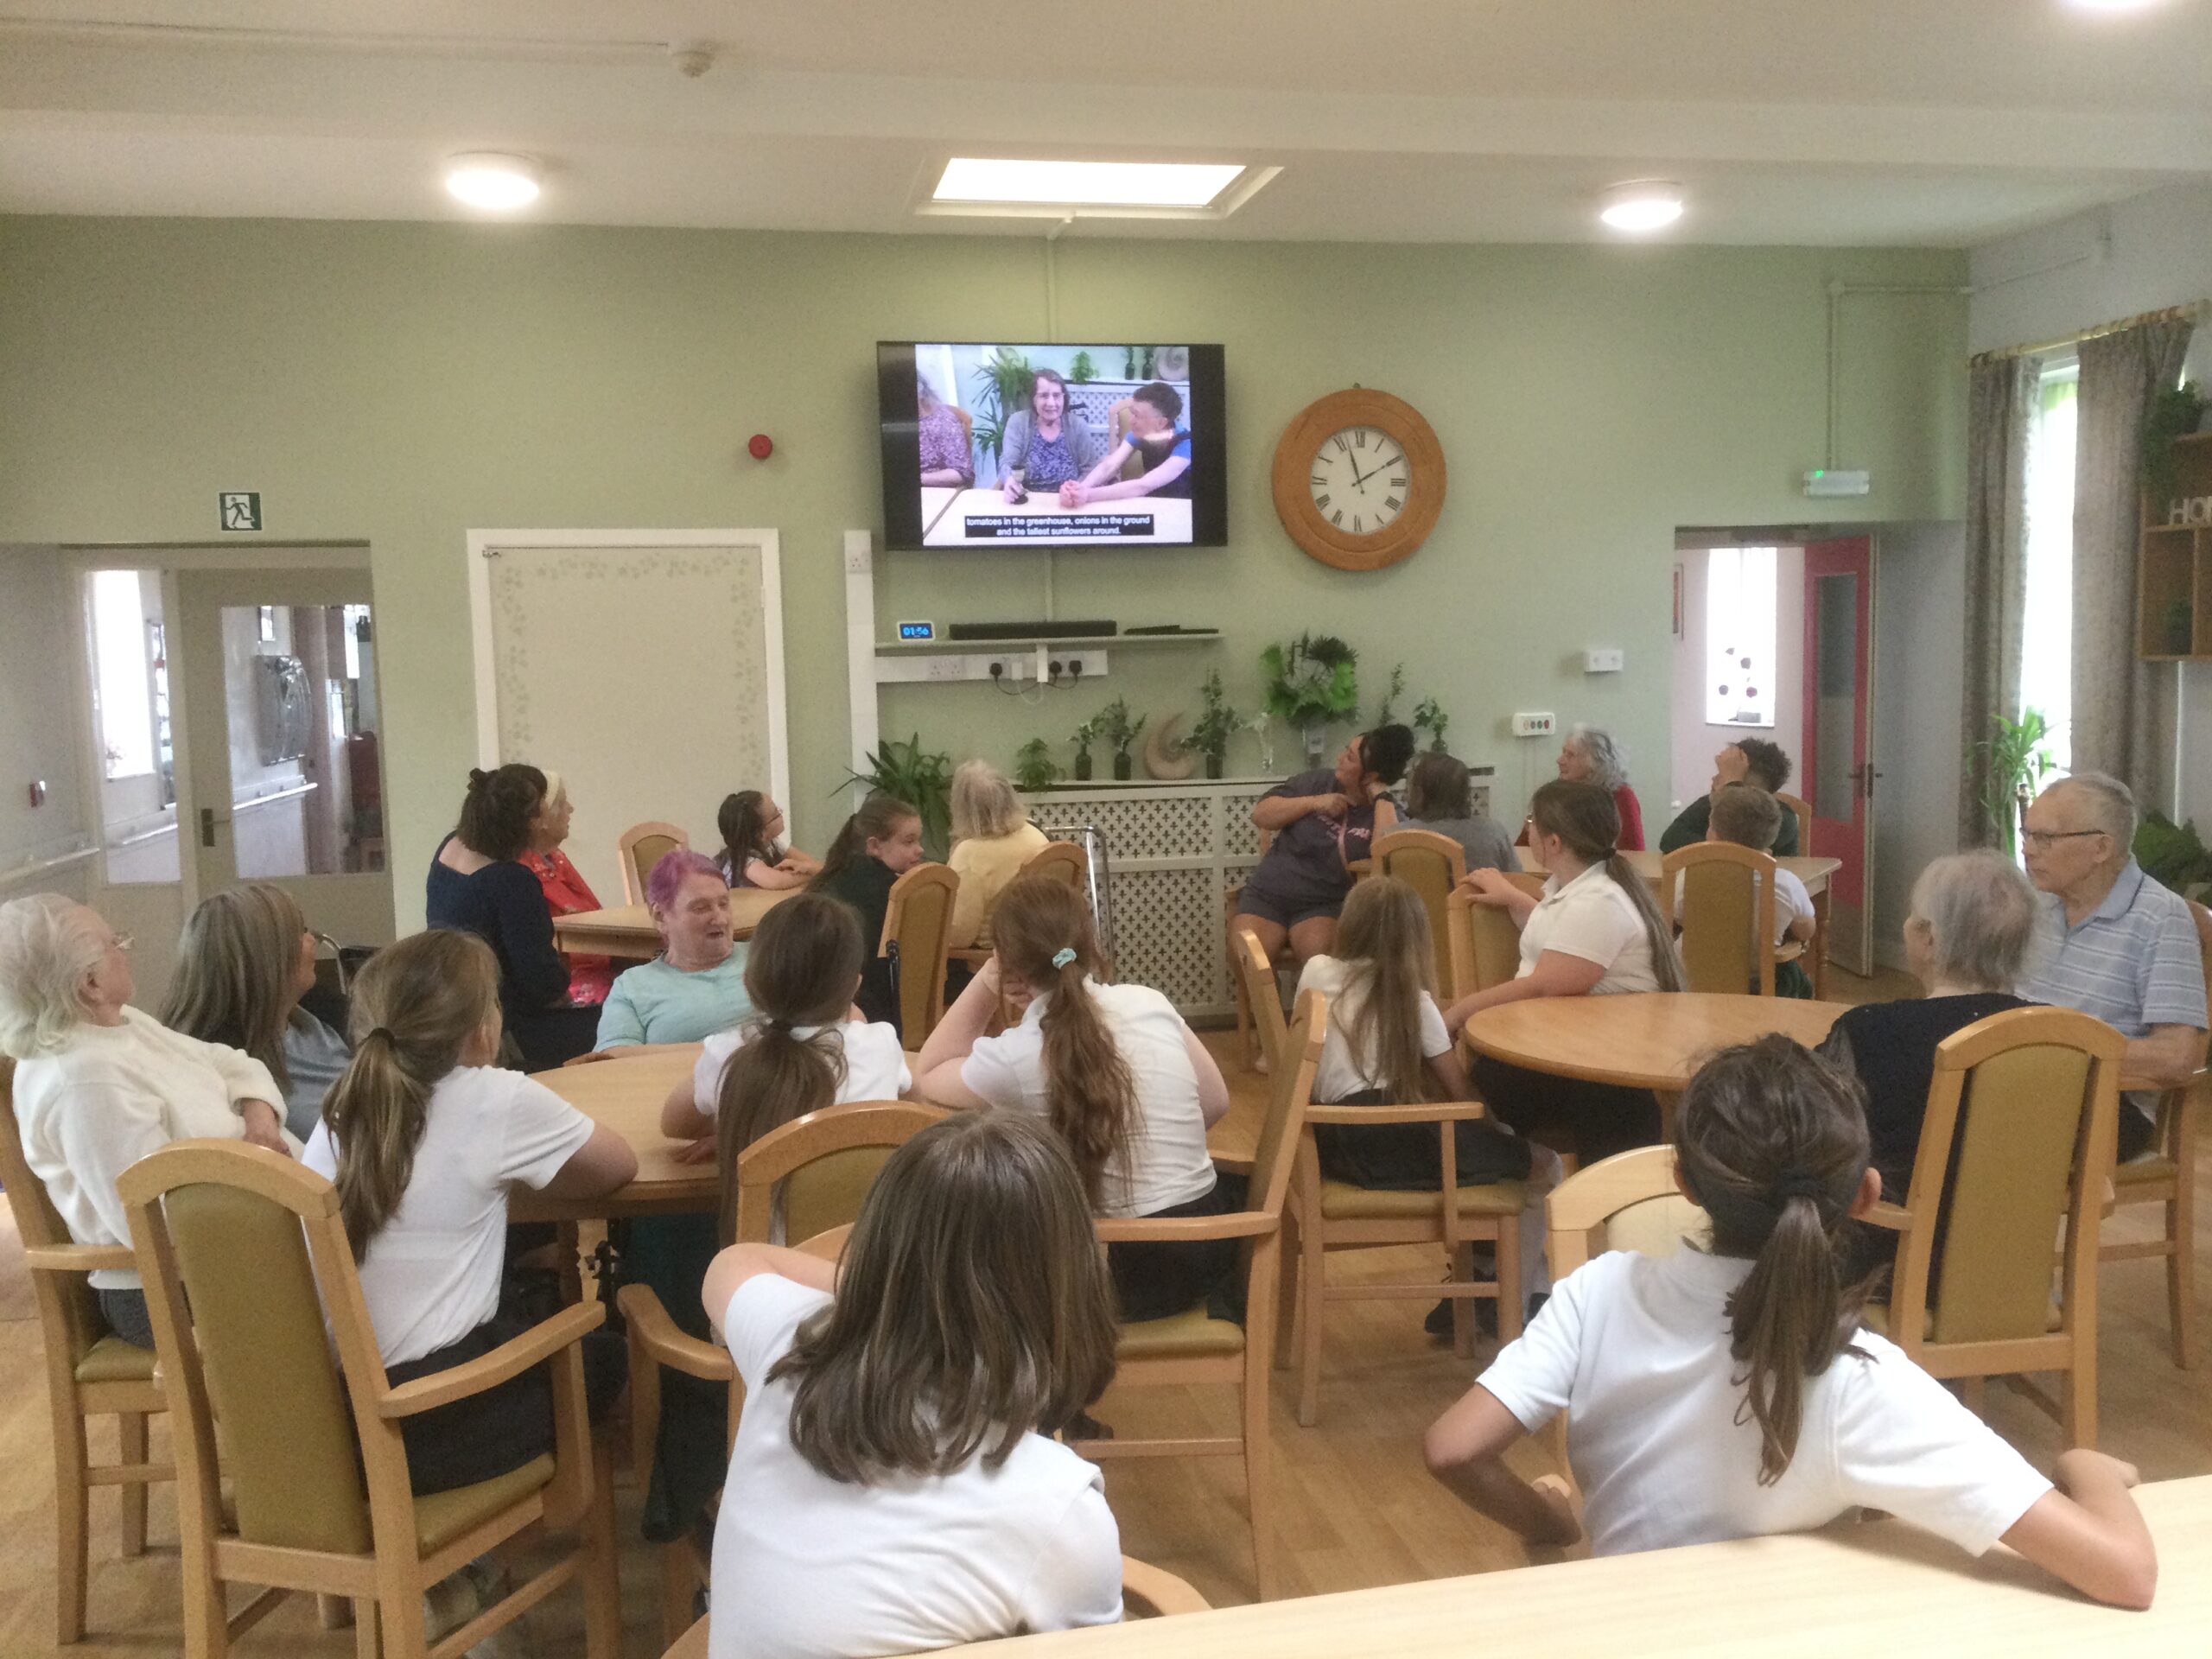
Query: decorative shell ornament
column 1161, row 759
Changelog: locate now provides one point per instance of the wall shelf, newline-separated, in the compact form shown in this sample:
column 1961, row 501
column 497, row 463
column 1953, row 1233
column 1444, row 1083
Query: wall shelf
column 2173, row 570
column 1049, row 641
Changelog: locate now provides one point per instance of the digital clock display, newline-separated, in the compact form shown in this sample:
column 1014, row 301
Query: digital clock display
column 917, row 630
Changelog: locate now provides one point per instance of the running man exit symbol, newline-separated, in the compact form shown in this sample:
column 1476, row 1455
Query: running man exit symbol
column 241, row 509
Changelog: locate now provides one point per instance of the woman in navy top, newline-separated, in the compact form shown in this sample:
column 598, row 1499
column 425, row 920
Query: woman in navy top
column 477, row 884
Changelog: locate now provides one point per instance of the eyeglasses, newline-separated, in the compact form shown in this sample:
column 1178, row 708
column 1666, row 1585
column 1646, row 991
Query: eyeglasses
column 123, row 941
column 2041, row 839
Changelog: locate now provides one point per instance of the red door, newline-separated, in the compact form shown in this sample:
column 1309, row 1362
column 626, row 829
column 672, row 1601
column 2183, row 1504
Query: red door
column 1835, row 772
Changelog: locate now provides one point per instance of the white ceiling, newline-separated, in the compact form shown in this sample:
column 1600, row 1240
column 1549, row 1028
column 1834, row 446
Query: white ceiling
column 1931, row 122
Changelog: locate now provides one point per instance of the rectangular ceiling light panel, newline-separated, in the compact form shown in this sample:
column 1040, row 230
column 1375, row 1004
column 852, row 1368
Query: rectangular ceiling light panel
column 1088, row 184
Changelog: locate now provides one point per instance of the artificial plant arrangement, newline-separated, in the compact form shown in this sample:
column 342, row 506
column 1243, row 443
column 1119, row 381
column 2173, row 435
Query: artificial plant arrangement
column 1310, row 682
column 1216, row 724
column 2172, row 854
column 2018, row 760
column 1117, row 732
column 922, row 781
column 1429, row 716
column 1034, row 768
column 1085, row 735
column 2175, row 413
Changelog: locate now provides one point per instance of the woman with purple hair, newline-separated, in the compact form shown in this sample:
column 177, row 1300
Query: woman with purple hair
column 696, row 986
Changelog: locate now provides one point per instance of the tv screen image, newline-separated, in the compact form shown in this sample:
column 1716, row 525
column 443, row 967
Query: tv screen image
column 993, row 444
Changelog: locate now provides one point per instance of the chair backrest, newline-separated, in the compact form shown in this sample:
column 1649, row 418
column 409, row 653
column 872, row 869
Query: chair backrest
column 642, row 846
column 1258, row 974
column 825, row 1163
column 1063, row 861
column 1119, row 426
column 1626, row 1202
column 1802, row 812
column 1726, row 914
column 66, row 1308
column 2017, row 1138
column 1484, row 944
column 919, row 920
column 967, row 424
column 1432, row 865
column 1290, row 1091
column 241, row 1250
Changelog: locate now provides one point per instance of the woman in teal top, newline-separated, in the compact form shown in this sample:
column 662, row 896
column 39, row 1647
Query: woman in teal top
column 696, row 988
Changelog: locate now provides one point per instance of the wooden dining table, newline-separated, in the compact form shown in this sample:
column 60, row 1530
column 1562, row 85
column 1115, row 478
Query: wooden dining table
column 1853, row 1588
column 627, row 931
column 1646, row 1039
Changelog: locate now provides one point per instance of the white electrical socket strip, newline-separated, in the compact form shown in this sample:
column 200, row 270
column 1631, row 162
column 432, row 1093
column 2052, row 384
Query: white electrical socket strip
column 1534, row 725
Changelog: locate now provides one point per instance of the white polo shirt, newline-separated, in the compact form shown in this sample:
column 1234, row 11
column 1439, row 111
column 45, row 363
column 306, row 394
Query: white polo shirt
column 875, row 1065
column 1342, row 1072
column 1164, row 1161
column 1636, row 1351
column 1591, row 917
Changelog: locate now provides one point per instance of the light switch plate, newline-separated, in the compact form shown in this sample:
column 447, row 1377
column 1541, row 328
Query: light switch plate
column 1534, row 725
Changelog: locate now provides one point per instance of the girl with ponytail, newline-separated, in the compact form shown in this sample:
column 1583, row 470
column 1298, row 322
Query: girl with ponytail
column 1728, row 1390
column 422, row 1137
column 880, row 843
column 1596, row 931
column 1113, row 1068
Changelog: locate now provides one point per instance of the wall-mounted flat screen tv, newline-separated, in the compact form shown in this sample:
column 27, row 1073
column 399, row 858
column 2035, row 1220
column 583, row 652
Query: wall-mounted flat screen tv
column 1004, row 445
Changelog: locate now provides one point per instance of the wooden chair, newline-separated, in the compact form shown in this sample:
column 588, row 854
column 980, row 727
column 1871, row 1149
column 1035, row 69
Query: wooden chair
column 306, row 1509
column 2016, row 1141
column 2167, row 1176
column 1433, row 865
column 638, row 848
column 825, row 1163
column 1802, row 812
column 1325, row 1216
column 89, row 1373
column 1255, row 975
column 1483, row 946
column 1247, row 1040
column 1147, row 1591
column 917, row 935
column 1063, row 861
column 1194, row 1347
column 1727, row 913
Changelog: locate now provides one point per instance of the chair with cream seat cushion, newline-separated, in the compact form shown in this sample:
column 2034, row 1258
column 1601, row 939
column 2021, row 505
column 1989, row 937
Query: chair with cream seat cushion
column 917, row 937
column 1726, row 912
column 1433, row 865
column 640, row 848
column 319, row 1498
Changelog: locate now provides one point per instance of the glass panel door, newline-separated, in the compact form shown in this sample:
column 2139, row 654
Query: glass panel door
column 1835, row 767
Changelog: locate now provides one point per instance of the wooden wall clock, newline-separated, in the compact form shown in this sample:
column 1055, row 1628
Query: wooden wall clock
column 1359, row 480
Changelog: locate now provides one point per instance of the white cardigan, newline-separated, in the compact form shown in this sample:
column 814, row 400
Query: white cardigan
column 111, row 1094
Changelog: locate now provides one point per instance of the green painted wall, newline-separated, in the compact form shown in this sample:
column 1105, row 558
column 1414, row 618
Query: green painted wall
column 402, row 383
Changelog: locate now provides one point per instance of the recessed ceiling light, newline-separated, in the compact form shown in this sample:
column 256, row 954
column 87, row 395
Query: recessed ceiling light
column 492, row 182
column 2113, row 5
column 1642, row 205
column 1119, row 184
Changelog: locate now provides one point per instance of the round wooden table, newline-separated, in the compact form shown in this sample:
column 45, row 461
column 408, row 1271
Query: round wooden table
column 1651, row 1040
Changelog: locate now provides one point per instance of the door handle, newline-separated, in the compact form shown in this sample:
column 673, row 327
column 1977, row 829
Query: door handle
column 207, row 826
column 1865, row 777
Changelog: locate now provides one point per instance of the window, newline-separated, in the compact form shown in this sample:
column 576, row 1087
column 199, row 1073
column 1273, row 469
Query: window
column 122, row 672
column 1739, row 636
column 2047, row 636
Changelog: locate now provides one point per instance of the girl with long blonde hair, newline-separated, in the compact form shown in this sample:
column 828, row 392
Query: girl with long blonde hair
column 1112, row 1068
column 423, row 1136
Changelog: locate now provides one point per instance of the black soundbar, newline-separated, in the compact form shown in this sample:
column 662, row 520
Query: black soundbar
column 1092, row 630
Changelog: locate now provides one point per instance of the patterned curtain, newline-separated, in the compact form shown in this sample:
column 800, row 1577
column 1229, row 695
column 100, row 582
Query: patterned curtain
column 2001, row 401
column 2114, row 717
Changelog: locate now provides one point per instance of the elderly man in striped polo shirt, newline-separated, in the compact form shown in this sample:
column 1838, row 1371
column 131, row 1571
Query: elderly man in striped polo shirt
column 2112, row 942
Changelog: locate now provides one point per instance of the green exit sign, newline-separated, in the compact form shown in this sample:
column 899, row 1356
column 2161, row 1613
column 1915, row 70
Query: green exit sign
column 239, row 509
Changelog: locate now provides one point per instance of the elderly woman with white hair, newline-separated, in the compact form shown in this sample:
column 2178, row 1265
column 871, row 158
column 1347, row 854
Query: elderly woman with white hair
column 99, row 1084
column 1966, row 940
column 1588, row 755
column 992, row 839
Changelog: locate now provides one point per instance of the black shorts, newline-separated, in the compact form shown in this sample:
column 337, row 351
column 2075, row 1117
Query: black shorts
column 1154, row 1280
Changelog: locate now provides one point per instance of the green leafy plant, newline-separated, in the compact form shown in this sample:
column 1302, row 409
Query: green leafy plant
column 1312, row 680
column 922, row 780
column 1429, row 716
column 1216, row 724
column 2172, row 854
column 1386, row 711
column 2017, row 761
column 1034, row 767
column 1115, row 730
column 1085, row 735
column 1081, row 370
column 2174, row 413
column 1002, row 388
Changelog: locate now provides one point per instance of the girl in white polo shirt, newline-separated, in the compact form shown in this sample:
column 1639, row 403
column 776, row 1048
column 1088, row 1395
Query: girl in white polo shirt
column 1113, row 1068
column 1596, row 931
column 1729, row 1392
column 422, row 1137
column 890, row 1488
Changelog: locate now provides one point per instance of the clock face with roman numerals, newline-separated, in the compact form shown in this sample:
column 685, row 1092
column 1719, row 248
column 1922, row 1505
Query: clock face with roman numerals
column 1361, row 479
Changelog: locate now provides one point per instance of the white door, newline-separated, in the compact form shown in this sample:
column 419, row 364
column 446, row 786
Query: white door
column 283, row 740
column 646, row 668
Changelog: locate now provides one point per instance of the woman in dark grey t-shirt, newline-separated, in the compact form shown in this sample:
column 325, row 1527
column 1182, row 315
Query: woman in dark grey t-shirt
column 1322, row 823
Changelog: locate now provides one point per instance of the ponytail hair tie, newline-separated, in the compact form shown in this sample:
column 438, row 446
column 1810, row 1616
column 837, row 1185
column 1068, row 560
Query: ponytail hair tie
column 384, row 1031
column 1797, row 1184
column 1064, row 956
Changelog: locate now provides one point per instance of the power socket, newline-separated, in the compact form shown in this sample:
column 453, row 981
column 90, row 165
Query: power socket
column 1535, row 725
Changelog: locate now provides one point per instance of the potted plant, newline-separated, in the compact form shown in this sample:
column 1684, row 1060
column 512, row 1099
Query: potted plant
column 1117, row 732
column 1034, row 768
column 1082, row 371
column 922, row 781
column 1312, row 682
column 1429, row 716
column 2017, row 761
column 1386, row 711
column 1216, row 724
column 1085, row 735
column 2175, row 413
column 1002, row 388
column 2172, row 854
column 2180, row 631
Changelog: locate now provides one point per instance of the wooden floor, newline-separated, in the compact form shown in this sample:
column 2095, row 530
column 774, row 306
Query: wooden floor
column 1357, row 1508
